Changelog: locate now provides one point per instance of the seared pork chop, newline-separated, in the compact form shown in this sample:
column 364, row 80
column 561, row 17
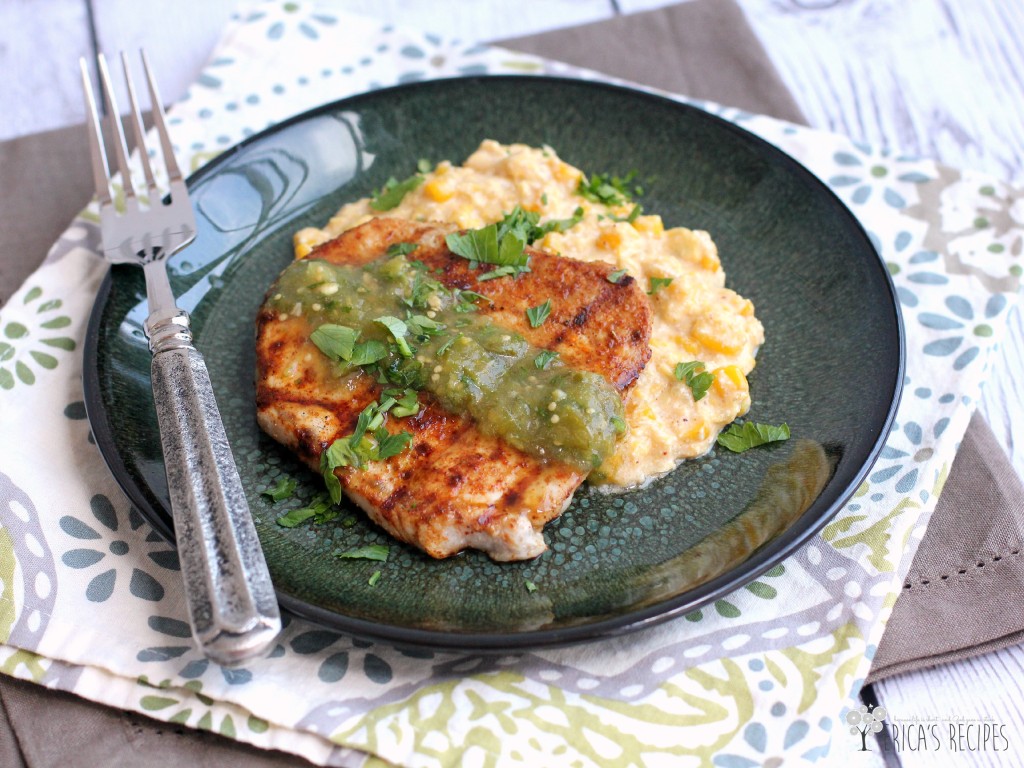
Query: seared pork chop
column 455, row 487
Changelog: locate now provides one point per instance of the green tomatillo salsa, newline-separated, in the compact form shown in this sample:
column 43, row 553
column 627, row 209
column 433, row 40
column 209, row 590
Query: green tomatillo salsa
column 394, row 321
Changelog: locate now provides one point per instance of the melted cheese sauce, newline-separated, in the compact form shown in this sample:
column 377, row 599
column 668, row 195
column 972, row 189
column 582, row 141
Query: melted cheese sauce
column 695, row 317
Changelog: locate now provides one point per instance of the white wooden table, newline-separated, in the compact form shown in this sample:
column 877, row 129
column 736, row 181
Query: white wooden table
column 940, row 78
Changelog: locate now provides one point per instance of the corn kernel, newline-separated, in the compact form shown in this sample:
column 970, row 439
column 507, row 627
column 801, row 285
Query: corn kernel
column 691, row 346
column 609, row 240
column 710, row 262
column 302, row 250
column 696, row 433
column 565, row 172
column 651, row 224
column 747, row 310
column 436, row 191
column 716, row 335
column 730, row 378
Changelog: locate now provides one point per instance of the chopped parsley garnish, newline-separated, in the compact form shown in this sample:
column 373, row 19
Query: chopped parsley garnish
column 378, row 552
column 537, row 315
column 444, row 347
column 407, row 403
column 368, row 352
column 401, row 249
column 619, row 424
column 358, row 448
column 389, row 445
column 340, row 342
column 608, row 189
column 391, row 194
column 530, row 586
column 657, row 283
column 321, row 510
column 616, row 276
column 696, row 378
column 284, row 488
column 423, row 327
column 630, row 217
column 503, row 243
column 741, row 437
column 337, row 341
column 559, row 225
column 506, row 271
column 468, row 299
column 398, row 330
column 374, row 578
column 544, row 359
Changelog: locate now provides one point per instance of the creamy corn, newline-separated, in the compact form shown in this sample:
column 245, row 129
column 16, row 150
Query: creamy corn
column 695, row 317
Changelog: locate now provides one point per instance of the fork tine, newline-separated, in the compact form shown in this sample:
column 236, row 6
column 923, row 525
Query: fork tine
column 140, row 132
column 114, row 117
column 159, row 120
column 100, row 175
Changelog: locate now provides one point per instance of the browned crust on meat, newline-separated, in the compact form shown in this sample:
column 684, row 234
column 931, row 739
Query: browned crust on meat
column 455, row 487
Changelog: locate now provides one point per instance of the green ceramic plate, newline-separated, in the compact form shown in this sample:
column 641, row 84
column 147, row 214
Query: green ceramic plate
column 831, row 367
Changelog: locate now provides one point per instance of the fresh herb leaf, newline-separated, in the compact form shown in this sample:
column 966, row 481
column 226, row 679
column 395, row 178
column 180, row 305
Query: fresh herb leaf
column 696, row 378
column 467, row 301
column 741, row 437
column 500, row 243
column 530, row 586
column 398, row 330
column 559, row 225
column 407, row 405
column 295, row 517
column 321, row 509
column 537, row 315
column 368, row 352
column 657, row 283
column 616, row 276
column 444, row 347
column 475, row 244
column 374, row 578
column 520, row 224
column 391, row 194
column 356, row 449
column 620, row 424
column 401, row 249
column 284, row 488
column 630, row 217
column 377, row 552
column 335, row 341
column 505, row 271
column 607, row 189
column 391, row 445
column 423, row 327
column 544, row 359
column 328, row 462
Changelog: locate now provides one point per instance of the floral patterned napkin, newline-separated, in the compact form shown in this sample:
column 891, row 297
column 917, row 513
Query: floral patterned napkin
column 90, row 599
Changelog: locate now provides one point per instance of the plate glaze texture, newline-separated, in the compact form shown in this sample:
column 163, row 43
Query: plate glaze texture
column 831, row 366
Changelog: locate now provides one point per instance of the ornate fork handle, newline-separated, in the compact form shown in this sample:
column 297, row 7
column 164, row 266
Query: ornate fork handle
column 232, row 603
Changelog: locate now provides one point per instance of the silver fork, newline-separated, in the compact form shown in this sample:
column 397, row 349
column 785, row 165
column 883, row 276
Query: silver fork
column 232, row 607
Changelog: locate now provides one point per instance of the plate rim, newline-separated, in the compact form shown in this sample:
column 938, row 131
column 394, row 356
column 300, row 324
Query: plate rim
column 763, row 558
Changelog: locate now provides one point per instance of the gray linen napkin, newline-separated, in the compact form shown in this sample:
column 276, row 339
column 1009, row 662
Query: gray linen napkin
column 963, row 594
column 704, row 49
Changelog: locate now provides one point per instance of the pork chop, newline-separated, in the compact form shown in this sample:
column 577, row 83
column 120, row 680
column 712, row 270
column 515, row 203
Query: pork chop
column 456, row 487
